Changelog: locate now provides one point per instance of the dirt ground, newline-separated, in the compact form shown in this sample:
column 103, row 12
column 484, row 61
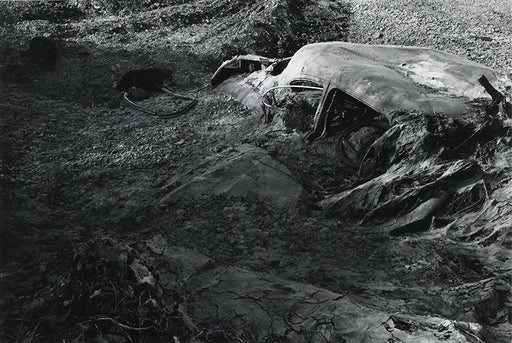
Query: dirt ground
column 78, row 165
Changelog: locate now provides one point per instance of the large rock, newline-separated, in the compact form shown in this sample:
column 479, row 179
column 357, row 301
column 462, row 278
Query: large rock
column 250, row 173
column 263, row 307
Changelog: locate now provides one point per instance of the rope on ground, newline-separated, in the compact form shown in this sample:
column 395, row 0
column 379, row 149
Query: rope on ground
column 180, row 111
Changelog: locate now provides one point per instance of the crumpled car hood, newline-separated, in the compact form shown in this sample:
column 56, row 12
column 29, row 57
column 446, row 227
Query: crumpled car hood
column 391, row 78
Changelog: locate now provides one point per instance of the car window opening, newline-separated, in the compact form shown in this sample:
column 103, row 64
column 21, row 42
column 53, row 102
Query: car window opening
column 278, row 67
column 303, row 82
column 344, row 110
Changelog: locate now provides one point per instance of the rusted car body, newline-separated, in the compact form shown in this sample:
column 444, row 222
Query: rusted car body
column 386, row 79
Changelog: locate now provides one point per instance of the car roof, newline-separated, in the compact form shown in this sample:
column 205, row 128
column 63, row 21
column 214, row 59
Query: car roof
column 391, row 78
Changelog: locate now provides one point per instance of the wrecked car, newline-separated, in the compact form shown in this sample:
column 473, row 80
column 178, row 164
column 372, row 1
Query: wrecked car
column 360, row 85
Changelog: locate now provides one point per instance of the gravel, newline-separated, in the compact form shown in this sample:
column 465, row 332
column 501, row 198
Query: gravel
column 480, row 30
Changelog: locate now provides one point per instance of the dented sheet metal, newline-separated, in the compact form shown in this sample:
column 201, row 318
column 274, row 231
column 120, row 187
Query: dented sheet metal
column 391, row 78
column 385, row 78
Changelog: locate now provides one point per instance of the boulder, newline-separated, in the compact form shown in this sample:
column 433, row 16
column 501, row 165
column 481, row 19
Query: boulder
column 261, row 307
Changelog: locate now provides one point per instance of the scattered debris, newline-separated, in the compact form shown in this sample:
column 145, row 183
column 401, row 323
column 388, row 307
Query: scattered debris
column 111, row 295
column 246, row 64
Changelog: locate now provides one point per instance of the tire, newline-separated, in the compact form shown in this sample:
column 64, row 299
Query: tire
column 342, row 141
